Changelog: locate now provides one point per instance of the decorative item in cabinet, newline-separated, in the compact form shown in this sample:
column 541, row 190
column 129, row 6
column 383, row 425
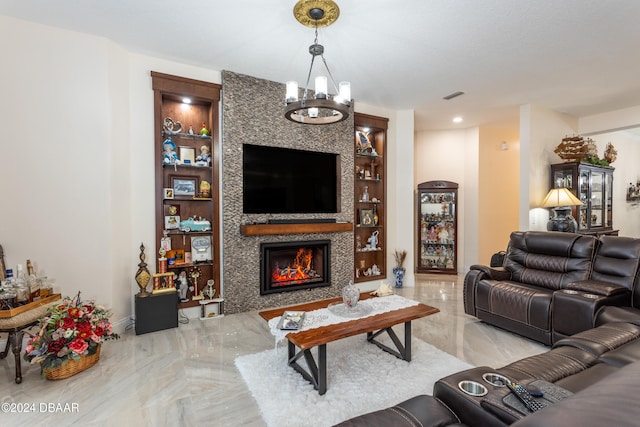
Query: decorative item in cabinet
column 369, row 197
column 187, row 184
column 593, row 186
column 437, row 227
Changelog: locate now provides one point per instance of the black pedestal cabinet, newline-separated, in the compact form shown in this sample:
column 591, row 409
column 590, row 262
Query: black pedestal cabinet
column 156, row 312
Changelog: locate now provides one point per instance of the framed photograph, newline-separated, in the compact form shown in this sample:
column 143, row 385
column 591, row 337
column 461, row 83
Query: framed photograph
column 201, row 249
column 184, row 185
column 171, row 222
column 179, row 256
column 366, row 217
column 162, row 283
column 187, row 155
column 168, row 193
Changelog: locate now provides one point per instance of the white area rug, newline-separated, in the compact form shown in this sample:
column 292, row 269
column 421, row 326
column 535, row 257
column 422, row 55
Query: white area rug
column 361, row 378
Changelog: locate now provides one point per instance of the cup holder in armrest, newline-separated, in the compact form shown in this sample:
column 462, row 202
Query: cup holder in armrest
column 472, row 388
column 494, row 379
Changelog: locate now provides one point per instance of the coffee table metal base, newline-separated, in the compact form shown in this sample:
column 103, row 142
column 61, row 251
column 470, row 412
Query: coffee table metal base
column 316, row 373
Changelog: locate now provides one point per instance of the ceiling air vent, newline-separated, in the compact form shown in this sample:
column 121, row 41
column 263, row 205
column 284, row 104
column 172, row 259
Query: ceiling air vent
column 453, row 95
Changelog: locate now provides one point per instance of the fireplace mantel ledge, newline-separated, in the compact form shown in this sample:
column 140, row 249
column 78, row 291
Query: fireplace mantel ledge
column 315, row 227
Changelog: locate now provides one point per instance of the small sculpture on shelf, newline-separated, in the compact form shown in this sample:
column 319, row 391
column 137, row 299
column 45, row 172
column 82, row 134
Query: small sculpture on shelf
column 204, row 158
column 142, row 275
column 373, row 241
column 171, row 127
column 191, row 131
column 195, row 274
column 169, row 156
column 183, row 286
column 205, row 189
column 204, row 131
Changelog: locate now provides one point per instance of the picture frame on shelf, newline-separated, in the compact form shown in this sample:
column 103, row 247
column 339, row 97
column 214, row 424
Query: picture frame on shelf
column 184, row 186
column 167, row 193
column 163, row 283
column 171, row 222
column 187, row 155
column 201, row 249
column 366, row 217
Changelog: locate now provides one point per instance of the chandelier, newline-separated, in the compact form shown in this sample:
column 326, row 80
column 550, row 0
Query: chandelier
column 322, row 108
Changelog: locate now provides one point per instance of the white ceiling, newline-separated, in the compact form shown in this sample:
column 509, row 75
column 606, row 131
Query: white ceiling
column 581, row 57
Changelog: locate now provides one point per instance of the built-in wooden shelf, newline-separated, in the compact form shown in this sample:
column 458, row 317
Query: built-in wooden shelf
column 316, row 227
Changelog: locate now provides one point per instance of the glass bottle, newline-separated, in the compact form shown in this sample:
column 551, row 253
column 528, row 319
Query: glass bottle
column 365, row 193
column 375, row 215
column 21, row 287
column 32, row 282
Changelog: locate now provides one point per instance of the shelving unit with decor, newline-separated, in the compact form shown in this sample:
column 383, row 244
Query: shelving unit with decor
column 593, row 185
column 437, row 238
column 187, row 186
column 370, row 198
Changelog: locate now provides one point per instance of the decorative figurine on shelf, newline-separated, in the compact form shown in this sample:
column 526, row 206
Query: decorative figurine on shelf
column 204, row 158
column 142, row 275
column 443, row 235
column 210, row 291
column 171, row 127
column 373, row 241
column 364, row 145
column 169, row 157
column 205, row 189
column 204, row 131
column 183, row 286
column 191, row 132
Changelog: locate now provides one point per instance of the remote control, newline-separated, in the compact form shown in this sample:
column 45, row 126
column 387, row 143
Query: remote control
column 521, row 393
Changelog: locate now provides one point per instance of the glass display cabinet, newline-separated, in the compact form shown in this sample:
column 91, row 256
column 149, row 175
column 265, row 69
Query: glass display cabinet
column 593, row 185
column 437, row 227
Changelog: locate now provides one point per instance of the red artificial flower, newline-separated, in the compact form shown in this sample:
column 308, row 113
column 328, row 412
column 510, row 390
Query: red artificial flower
column 55, row 346
column 78, row 346
column 74, row 312
column 84, row 326
column 66, row 323
column 99, row 331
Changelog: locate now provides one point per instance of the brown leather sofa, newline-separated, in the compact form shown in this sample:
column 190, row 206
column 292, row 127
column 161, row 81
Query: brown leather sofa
column 591, row 379
column 553, row 284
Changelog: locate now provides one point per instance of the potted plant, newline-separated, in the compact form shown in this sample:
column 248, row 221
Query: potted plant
column 399, row 270
column 69, row 338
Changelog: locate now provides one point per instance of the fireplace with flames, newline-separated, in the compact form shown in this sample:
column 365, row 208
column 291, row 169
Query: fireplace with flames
column 292, row 266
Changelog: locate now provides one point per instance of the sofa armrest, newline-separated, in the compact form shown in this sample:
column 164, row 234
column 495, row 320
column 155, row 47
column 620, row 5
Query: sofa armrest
column 597, row 287
column 493, row 273
column 421, row 410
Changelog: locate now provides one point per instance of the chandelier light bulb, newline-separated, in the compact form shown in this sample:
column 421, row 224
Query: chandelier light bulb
column 321, row 87
column 292, row 91
column 344, row 93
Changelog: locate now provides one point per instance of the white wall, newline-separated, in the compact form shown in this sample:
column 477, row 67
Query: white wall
column 55, row 179
column 541, row 130
column 453, row 156
column 78, row 176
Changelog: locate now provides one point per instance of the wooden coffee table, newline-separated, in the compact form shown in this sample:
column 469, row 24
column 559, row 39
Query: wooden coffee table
column 319, row 337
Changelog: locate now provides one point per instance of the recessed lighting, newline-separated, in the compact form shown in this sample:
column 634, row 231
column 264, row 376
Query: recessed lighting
column 457, row 119
column 186, row 100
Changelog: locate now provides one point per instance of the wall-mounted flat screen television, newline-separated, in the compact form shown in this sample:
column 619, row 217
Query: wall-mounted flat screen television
column 286, row 181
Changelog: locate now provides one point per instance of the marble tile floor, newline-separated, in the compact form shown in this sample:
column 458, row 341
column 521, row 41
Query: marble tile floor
column 186, row 376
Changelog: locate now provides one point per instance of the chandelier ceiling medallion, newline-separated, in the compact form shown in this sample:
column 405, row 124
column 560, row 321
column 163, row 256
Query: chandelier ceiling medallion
column 322, row 108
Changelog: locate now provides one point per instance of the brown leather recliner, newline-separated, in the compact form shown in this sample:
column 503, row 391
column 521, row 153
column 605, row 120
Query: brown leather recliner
column 518, row 296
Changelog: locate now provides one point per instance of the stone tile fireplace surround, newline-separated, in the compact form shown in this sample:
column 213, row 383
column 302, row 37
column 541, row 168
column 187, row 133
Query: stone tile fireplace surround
column 253, row 113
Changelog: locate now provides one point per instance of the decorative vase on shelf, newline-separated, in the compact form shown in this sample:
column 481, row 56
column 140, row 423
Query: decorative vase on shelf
column 398, row 272
column 350, row 295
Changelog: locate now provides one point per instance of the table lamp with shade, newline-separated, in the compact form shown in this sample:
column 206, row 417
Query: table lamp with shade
column 561, row 200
